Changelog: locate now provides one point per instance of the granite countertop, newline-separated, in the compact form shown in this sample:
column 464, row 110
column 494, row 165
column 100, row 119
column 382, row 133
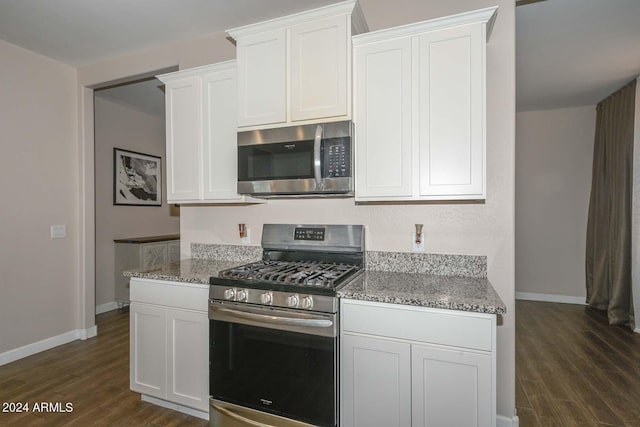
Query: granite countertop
column 469, row 291
column 426, row 290
column 187, row 270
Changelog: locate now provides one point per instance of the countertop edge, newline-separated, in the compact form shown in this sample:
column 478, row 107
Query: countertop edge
column 430, row 303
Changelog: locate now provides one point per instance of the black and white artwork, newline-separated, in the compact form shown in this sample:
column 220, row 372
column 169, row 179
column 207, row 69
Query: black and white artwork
column 137, row 179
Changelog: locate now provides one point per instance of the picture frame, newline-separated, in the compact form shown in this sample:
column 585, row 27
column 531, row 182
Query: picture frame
column 137, row 178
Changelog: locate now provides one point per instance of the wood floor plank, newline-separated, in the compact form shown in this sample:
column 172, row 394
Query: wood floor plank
column 93, row 375
column 589, row 369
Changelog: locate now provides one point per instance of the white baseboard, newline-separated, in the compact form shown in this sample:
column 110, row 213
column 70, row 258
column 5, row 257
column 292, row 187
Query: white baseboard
column 46, row 344
column 103, row 308
column 565, row 299
column 85, row 334
column 175, row 407
column 502, row 421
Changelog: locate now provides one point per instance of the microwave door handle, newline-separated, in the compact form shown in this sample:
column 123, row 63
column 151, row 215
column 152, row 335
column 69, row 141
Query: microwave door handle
column 317, row 161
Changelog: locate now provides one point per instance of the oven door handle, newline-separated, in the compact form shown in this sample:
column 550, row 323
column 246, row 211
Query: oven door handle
column 275, row 320
column 317, row 161
column 238, row 417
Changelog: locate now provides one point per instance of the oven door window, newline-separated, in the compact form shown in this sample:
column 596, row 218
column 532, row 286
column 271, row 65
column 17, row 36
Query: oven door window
column 284, row 373
column 275, row 161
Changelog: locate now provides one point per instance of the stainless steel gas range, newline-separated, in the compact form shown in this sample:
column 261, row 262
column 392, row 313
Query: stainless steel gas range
column 274, row 328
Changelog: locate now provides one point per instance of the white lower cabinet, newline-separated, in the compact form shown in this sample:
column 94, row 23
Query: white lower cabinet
column 148, row 349
column 376, row 382
column 450, row 387
column 169, row 357
column 422, row 374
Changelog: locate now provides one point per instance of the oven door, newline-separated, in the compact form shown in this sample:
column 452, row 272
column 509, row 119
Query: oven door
column 268, row 366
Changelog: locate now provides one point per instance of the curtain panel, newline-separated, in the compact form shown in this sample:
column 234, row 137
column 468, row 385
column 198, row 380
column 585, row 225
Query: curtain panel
column 608, row 254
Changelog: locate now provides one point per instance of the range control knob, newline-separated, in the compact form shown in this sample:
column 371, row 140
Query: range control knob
column 307, row 302
column 293, row 300
column 266, row 298
column 229, row 293
column 242, row 295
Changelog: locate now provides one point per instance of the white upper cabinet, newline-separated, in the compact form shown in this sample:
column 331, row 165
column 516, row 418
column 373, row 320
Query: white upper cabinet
column 384, row 154
column 420, row 110
column 319, row 69
column 183, row 121
column 297, row 69
column 262, row 78
column 201, row 120
column 452, row 112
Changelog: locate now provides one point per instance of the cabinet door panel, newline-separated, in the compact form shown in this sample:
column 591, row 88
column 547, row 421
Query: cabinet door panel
column 452, row 112
column 219, row 138
column 450, row 387
column 147, row 350
column 153, row 254
column 262, row 78
column 188, row 358
column 183, row 114
column 319, row 69
column 383, row 119
column 376, row 382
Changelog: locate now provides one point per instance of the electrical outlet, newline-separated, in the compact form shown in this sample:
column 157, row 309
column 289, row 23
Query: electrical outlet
column 418, row 247
column 247, row 238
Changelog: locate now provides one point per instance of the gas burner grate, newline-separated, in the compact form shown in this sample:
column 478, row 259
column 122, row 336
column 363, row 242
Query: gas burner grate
column 305, row 273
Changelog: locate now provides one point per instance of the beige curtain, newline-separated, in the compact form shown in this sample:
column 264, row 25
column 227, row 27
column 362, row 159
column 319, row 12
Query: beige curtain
column 608, row 258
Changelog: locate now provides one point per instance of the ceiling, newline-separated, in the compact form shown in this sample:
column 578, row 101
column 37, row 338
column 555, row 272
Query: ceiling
column 575, row 52
column 146, row 96
column 568, row 52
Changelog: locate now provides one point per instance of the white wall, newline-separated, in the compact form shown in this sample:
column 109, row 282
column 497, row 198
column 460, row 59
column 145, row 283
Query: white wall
column 121, row 126
column 185, row 54
column 554, row 155
column 38, row 290
column 486, row 229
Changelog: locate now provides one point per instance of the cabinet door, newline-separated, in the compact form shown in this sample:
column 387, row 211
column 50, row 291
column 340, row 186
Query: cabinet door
column 220, row 148
column 183, row 115
column 173, row 251
column 148, row 346
column 153, row 254
column 451, row 387
column 383, row 120
column 188, row 358
column 452, row 109
column 376, row 382
column 262, row 78
column 318, row 72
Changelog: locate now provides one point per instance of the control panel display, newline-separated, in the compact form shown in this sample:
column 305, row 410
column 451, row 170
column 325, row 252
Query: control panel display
column 306, row 233
column 337, row 158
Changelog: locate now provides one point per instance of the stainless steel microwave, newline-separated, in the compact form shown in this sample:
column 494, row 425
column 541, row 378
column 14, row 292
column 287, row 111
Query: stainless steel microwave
column 309, row 160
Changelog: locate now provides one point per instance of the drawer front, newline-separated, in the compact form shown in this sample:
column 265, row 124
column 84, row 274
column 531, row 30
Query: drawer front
column 171, row 294
column 428, row 325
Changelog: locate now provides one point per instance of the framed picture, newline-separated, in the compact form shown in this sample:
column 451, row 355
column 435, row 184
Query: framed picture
column 137, row 179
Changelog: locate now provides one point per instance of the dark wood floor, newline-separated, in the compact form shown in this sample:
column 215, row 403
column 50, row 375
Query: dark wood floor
column 573, row 369
column 92, row 375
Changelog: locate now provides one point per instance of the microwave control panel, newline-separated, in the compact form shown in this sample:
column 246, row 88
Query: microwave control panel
column 337, row 158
